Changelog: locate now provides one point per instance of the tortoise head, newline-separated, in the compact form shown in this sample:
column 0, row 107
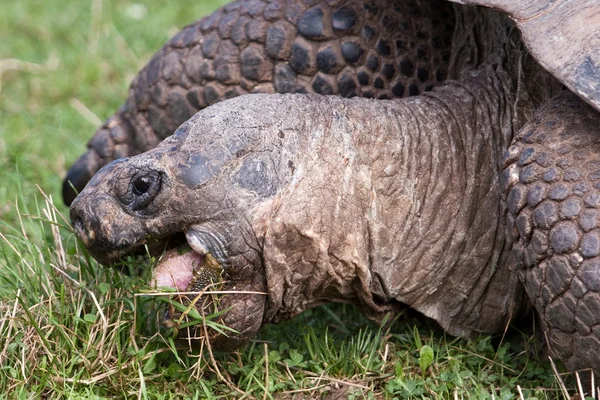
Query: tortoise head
column 208, row 183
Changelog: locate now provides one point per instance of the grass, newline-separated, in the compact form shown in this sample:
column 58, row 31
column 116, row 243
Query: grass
column 72, row 329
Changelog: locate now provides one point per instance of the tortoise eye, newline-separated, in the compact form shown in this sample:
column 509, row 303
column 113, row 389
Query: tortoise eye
column 141, row 185
column 143, row 188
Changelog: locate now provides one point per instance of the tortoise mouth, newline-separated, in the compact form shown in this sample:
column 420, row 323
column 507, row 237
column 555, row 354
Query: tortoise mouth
column 185, row 264
column 162, row 245
column 176, row 268
column 189, row 269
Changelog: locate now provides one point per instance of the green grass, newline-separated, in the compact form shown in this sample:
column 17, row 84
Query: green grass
column 72, row 329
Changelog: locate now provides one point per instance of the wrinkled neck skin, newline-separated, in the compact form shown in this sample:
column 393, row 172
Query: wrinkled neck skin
column 400, row 201
column 394, row 201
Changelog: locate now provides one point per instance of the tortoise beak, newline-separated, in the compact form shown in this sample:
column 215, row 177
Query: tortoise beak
column 95, row 224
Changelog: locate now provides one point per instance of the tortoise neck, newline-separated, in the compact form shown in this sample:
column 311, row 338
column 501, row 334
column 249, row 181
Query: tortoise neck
column 438, row 242
column 398, row 201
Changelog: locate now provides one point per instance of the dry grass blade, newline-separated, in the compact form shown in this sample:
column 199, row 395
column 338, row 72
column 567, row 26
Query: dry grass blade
column 520, row 393
column 95, row 379
column 215, row 365
column 50, row 213
column 266, row 352
column 319, row 377
column 10, row 316
column 484, row 358
column 310, row 390
column 579, row 387
column 205, row 292
column 142, row 388
column 85, row 112
column 51, row 205
column 561, row 383
column 13, row 64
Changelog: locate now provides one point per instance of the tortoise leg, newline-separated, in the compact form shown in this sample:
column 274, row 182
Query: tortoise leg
column 380, row 49
column 552, row 187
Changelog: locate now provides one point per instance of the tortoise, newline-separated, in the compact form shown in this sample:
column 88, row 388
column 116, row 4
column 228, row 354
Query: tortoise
column 473, row 202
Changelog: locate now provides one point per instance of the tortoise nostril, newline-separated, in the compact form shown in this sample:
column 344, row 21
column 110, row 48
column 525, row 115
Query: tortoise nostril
column 77, row 223
column 85, row 235
column 78, row 226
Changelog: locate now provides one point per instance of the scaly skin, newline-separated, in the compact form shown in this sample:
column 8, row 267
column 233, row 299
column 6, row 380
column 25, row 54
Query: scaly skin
column 380, row 49
column 551, row 180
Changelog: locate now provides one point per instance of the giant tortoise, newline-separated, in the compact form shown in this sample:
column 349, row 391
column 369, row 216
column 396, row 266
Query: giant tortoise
column 474, row 200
